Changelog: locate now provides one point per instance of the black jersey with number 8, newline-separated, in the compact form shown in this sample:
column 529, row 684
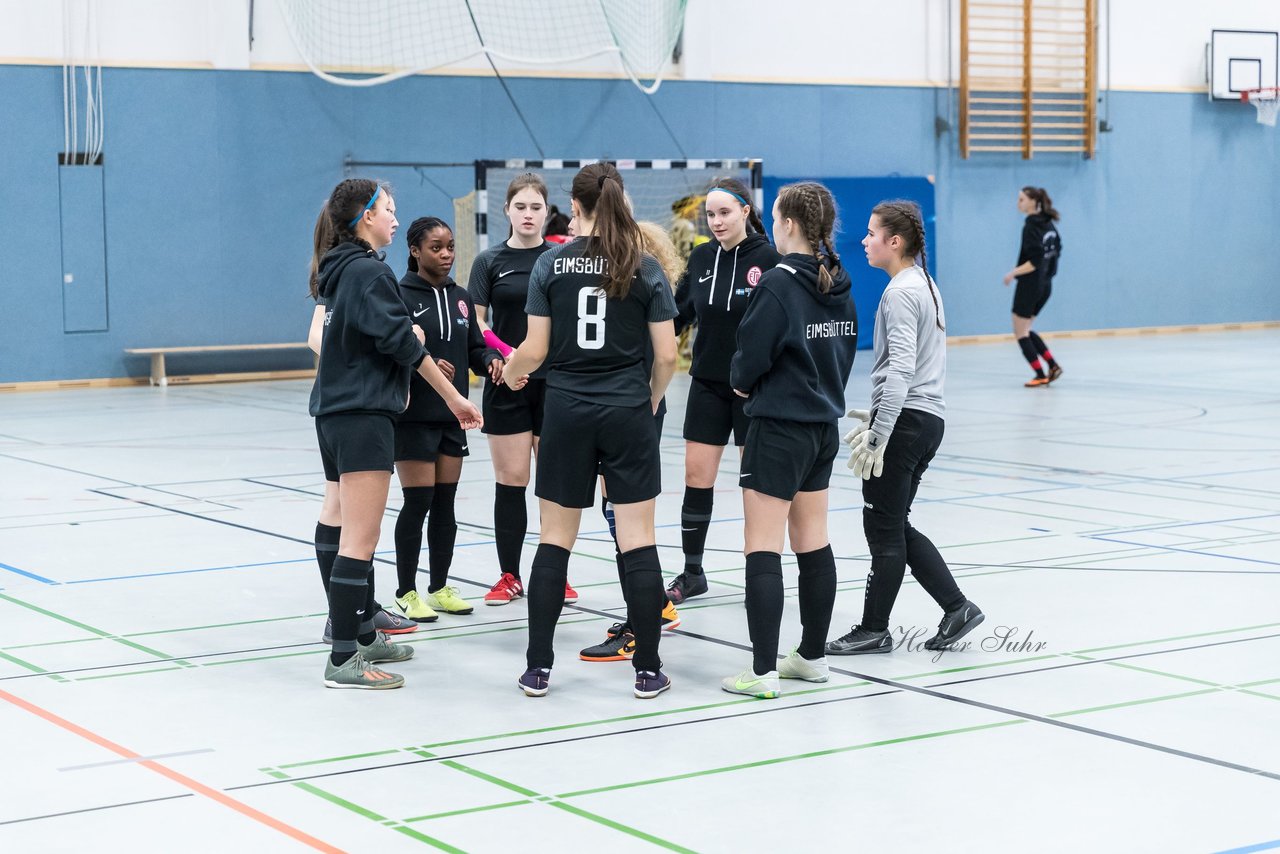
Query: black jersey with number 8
column 598, row 345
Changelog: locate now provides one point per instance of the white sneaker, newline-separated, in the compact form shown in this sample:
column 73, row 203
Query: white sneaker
column 796, row 666
column 747, row 682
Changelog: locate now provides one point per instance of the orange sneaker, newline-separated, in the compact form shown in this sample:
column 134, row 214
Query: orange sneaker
column 1036, row 381
column 507, row 588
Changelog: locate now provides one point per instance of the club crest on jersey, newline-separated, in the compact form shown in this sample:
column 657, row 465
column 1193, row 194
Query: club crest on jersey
column 462, row 307
column 753, row 276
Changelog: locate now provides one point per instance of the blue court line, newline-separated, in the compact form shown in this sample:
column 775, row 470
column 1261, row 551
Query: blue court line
column 1143, row 529
column 1185, row 551
column 189, row 571
column 1248, row 849
column 26, row 574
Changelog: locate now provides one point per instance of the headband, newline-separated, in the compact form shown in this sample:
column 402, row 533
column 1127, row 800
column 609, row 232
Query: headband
column 356, row 221
column 743, row 201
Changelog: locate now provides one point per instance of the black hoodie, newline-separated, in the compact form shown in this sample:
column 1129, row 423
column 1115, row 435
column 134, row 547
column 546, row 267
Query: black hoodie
column 1041, row 245
column 713, row 294
column 446, row 314
column 796, row 345
column 368, row 349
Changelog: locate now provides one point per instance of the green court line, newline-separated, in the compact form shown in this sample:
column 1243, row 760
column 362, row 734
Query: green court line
column 1129, row 703
column 348, row 758
column 87, row 628
column 777, row 760
column 610, row 823
column 488, row 778
column 370, row 814
column 1209, row 634
column 437, row 635
column 57, row 677
column 469, row 810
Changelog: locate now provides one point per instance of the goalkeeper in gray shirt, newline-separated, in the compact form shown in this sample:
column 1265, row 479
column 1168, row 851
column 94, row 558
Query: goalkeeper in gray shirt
column 897, row 438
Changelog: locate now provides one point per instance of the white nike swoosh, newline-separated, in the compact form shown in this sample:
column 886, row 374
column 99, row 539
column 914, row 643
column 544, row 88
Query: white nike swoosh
column 505, row 273
column 420, row 313
column 703, row 279
column 464, row 447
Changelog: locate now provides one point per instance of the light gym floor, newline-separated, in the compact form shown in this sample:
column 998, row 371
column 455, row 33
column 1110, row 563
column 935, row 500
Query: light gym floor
column 161, row 612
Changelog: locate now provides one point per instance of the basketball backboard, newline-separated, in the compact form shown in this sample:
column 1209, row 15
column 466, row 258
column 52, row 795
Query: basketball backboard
column 1241, row 59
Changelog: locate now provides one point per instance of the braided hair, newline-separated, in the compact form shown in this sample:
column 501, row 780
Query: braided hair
column 420, row 228
column 903, row 219
column 813, row 208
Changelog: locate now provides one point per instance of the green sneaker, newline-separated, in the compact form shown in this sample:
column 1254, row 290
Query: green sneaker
column 358, row 673
column 412, row 606
column 384, row 650
column 747, row 682
column 447, row 599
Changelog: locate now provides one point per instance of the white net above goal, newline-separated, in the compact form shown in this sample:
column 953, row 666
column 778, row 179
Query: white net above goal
column 369, row 42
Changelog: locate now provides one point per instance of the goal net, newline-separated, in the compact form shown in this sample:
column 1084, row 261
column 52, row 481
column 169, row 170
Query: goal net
column 661, row 191
column 377, row 41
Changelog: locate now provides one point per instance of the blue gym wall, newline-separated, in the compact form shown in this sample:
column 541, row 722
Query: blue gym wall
column 212, row 181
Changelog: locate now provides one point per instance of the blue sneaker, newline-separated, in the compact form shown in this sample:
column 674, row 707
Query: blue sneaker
column 535, row 682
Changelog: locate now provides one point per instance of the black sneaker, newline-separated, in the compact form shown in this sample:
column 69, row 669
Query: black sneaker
column 860, row 641
column 535, row 682
column 619, row 645
column 686, row 585
column 651, row 683
column 955, row 625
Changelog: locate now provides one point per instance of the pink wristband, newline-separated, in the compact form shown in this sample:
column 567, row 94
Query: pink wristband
column 497, row 343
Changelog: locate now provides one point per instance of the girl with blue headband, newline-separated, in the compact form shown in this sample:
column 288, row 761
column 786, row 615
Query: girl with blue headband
column 368, row 349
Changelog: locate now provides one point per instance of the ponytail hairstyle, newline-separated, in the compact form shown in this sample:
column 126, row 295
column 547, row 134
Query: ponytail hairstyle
column 813, row 208
column 321, row 241
column 557, row 223
column 418, row 229
column 902, row 219
column 348, row 202
column 739, row 189
column 1040, row 196
column 598, row 190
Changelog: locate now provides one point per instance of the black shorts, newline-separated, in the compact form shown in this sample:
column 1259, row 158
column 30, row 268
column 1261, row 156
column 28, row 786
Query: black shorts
column 1030, row 297
column 355, row 441
column 786, row 457
column 713, row 413
column 426, row 441
column 581, row 440
column 508, row 412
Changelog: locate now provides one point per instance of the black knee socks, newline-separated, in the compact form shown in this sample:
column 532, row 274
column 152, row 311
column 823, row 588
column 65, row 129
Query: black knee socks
column 327, row 537
column 349, row 594
column 417, row 502
column 510, row 520
column 442, row 532
column 1032, row 356
column 764, row 609
column 545, row 594
column 883, row 583
column 642, row 587
column 1042, row 348
column 695, row 519
column 817, row 599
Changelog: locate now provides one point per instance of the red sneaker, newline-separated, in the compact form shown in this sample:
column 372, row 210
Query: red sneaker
column 508, row 587
column 570, row 595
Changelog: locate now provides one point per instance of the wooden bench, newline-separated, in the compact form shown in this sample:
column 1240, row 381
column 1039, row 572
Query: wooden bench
column 161, row 378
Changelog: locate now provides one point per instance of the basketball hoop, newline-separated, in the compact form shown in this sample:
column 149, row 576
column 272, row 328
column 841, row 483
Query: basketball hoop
column 1266, row 101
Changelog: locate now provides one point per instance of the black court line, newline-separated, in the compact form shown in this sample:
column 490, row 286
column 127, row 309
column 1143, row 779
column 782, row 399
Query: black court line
column 71, row 470
column 97, row 809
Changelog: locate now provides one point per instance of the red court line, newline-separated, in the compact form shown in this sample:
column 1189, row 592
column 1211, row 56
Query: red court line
column 180, row 779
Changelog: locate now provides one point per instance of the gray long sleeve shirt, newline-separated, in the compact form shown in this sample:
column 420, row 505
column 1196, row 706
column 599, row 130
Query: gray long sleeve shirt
column 910, row 351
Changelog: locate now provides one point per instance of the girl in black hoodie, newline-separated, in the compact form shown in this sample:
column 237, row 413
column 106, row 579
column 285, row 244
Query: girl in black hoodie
column 713, row 294
column 796, row 345
column 429, row 443
column 367, row 353
column 1037, row 265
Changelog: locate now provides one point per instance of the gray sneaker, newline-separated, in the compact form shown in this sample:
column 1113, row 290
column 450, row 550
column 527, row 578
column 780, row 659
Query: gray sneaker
column 358, row 673
column 860, row 641
column 384, row 650
column 383, row 621
column 796, row 666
